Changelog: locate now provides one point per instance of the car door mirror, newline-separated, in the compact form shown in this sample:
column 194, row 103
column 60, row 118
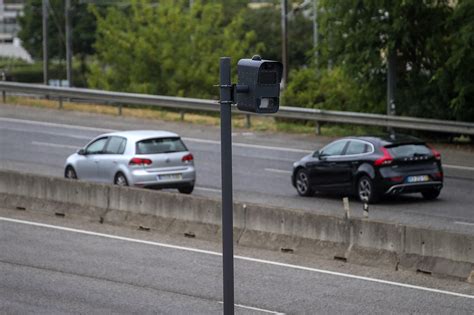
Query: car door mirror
column 316, row 154
column 82, row 152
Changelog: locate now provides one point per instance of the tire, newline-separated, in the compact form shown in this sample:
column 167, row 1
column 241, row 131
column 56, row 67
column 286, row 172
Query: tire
column 302, row 183
column 431, row 194
column 186, row 190
column 70, row 173
column 366, row 190
column 120, row 180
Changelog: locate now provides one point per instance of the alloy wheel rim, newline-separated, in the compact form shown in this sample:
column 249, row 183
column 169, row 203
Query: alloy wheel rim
column 302, row 182
column 70, row 173
column 364, row 190
column 121, row 181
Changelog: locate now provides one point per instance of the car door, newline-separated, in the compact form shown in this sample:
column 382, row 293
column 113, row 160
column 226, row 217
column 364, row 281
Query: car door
column 87, row 166
column 347, row 164
column 109, row 161
column 323, row 169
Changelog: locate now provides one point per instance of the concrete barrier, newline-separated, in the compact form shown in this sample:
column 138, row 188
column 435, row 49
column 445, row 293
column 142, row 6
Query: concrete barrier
column 362, row 241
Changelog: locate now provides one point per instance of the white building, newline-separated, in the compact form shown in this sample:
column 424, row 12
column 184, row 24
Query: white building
column 10, row 46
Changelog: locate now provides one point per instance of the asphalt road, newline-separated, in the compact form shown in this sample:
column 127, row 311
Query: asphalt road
column 39, row 140
column 54, row 269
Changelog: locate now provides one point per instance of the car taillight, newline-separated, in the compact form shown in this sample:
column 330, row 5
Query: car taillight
column 436, row 154
column 187, row 158
column 395, row 179
column 139, row 161
column 438, row 175
column 386, row 159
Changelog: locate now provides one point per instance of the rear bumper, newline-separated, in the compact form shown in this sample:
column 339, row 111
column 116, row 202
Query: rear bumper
column 413, row 187
column 143, row 178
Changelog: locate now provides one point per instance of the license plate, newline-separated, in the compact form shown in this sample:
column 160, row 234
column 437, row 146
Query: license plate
column 170, row 177
column 417, row 179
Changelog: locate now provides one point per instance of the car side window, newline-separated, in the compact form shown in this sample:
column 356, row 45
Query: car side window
column 116, row 145
column 334, row 148
column 97, row 146
column 357, row 147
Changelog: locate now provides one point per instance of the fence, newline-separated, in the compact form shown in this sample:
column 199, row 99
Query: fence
column 182, row 103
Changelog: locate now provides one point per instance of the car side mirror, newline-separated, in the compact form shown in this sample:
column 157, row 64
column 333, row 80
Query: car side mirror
column 316, row 154
column 81, row 152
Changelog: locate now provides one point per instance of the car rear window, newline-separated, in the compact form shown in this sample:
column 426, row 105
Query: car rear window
column 160, row 145
column 409, row 150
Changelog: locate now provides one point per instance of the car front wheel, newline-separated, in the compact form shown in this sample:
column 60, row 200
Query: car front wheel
column 70, row 173
column 302, row 183
column 366, row 190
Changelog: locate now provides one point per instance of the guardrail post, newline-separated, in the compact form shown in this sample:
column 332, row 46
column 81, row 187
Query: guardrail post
column 60, row 102
column 182, row 115
column 318, row 128
column 248, row 122
column 4, row 93
column 119, row 108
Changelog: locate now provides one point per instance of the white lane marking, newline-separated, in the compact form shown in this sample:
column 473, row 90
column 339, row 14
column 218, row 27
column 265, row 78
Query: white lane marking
column 54, row 145
column 274, row 170
column 464, row 223
column 42, row 123
column 208, row 189
column 255, row 309
column 49, row 133
column 458, row 167
column 247, row 145
column 134, row 241
column 244, row 145
column 268, row 262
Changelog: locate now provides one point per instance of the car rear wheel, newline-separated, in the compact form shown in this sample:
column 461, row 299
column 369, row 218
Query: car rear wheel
column 431, row 194
column 120, row 180
column 70, row 173
column 366, row 190
column 186, row 190
column 302, row 183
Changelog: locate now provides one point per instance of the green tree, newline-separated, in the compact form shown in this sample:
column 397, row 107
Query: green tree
column 266, row 23
column 358, row 34
column 168, row 48
column 456, row 78
column 31, row 32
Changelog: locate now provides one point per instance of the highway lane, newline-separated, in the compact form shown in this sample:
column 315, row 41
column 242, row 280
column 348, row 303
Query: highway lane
column 39, row 141
column 52, row 269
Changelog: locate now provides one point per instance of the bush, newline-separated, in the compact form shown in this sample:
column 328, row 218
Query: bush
column 327, row 89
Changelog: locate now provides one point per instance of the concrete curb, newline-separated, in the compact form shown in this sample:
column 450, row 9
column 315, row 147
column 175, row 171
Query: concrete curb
column 361, row 241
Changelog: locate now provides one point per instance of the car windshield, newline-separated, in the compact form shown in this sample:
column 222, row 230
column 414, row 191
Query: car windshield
column 160, row 145
column 409, row 150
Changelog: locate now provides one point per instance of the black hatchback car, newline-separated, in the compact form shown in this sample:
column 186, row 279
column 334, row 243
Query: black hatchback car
column 371, row 167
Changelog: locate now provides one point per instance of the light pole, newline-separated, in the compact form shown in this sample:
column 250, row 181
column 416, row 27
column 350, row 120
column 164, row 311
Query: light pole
column 45, row 5
column 67, row 15
column 284, row 41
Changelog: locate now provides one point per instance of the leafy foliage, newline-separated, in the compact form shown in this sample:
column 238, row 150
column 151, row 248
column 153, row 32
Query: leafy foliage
column 167, row 48
column 31, row 32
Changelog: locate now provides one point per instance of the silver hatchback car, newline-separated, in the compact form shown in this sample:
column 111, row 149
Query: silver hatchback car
column 143, row 158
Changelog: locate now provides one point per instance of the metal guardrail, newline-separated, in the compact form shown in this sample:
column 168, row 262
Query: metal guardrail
column 182, row 103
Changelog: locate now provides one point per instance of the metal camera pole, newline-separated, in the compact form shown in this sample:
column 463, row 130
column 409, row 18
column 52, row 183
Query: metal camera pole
column 226, row 171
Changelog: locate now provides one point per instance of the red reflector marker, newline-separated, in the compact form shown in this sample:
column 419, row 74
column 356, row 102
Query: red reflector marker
column 396, row 179
column 187, row 158
column 386, row 159
column 139, row 161
column 436, row 154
